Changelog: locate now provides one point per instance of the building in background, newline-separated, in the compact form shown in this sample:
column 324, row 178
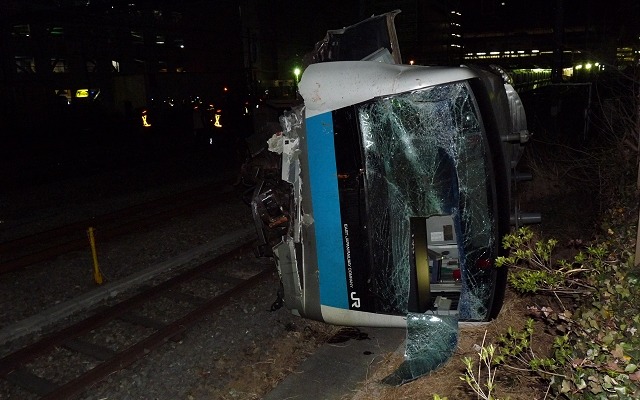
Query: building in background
column 117, row 56
column 575, row 39
column 429, row 31
column 568, row 35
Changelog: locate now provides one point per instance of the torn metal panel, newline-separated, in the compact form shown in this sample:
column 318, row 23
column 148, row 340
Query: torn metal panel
column 285, row 253
column 373, row 39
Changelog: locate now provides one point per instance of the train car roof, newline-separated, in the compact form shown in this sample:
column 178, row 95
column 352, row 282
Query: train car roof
column 334, row 85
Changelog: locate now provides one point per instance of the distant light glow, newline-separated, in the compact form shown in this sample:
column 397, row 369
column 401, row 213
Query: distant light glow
column 145, row 123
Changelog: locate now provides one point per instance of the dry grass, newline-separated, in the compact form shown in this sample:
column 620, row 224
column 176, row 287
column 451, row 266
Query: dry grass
column 446, row 380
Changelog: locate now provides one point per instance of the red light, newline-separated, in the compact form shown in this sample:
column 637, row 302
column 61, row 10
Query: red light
column 483, row 263
column 457, row 274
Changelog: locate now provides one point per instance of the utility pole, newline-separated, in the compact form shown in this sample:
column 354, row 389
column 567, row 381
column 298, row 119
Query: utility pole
column 636, row 79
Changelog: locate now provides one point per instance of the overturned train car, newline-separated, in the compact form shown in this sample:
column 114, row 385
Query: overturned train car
column 395, row 189
column 394, row 193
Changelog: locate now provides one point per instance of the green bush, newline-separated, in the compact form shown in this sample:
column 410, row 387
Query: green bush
column 596, row 352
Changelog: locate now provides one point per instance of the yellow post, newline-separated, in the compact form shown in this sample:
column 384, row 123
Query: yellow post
column 97, row 275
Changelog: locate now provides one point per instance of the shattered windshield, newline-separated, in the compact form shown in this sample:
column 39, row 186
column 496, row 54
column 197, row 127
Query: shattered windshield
column 425, row 155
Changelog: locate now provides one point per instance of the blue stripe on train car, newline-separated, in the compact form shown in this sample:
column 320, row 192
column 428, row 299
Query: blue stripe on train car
column 326, row 211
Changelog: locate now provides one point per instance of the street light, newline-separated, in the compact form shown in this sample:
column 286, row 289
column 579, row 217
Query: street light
column 296, row 72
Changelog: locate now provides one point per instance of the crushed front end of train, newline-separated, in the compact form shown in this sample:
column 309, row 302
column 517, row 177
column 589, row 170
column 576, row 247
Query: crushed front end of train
column 394, row 193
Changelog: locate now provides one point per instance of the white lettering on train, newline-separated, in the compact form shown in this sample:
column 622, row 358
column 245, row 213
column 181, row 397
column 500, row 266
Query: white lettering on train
column 347, row 247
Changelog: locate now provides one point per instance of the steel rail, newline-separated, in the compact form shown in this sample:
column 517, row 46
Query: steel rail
column 141, row 349
column 17, row 359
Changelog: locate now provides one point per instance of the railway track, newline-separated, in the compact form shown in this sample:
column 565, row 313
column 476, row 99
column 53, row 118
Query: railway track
column 119, row 335
column 42, row 246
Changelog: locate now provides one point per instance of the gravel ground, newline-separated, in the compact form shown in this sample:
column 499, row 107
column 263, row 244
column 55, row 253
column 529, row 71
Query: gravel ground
column 240, row 352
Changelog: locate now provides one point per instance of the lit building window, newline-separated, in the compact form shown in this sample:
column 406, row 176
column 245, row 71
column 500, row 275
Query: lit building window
column 115, row 65
column 21, row 30
column 24, row 64
column 159, row 39
column 137, row 37
column 58, row 65
column 56, row 31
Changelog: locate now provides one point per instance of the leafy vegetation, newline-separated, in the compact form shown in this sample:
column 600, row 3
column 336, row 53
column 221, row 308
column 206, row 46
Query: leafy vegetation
column 589, row 289
column 596, row 351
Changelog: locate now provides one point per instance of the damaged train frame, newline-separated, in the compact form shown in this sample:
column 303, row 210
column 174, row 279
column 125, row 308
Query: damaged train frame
column 394, row 191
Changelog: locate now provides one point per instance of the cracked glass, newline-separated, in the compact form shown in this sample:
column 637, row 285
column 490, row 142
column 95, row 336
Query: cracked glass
column 425, row 155
column 431, row 341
